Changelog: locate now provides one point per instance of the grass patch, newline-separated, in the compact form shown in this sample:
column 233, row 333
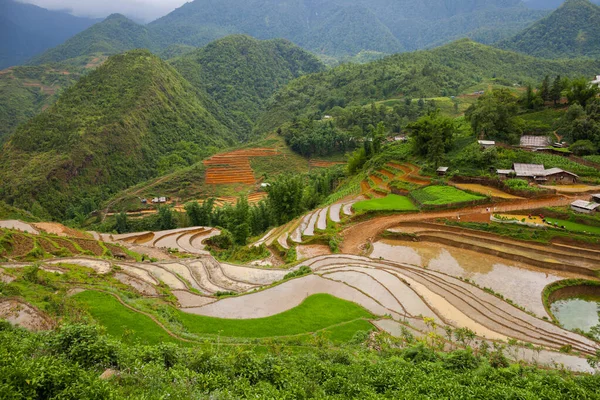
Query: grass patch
column 440, row 195
column 391, row 202
column 340, row 319
column 317, row 312
column 574, row 226
column 121, row 321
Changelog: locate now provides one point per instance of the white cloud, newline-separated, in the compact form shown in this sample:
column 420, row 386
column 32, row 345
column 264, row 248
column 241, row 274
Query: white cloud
column 146, row 10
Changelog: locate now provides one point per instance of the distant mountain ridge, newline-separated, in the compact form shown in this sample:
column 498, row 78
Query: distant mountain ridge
column 27, row 30
column 335, row 28
column 573, row 30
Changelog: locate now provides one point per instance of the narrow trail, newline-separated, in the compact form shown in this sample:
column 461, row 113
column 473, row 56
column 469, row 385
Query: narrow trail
column 357, row 235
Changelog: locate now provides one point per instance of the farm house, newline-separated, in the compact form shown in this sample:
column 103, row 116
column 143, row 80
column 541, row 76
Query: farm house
column 537, row 173
column 584, row 207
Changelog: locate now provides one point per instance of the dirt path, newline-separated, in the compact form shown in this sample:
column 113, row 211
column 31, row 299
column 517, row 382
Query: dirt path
column 357, row 235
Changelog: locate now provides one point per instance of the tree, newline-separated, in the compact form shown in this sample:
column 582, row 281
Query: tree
column 165, row 218
column 583, row 148
column 200, row 215
column 545, row 89
column 556, row 90
column 432, row 136
column 531, row 100
column 285, row 197
column 121, row 224
column 581, row 91
column 494, row 116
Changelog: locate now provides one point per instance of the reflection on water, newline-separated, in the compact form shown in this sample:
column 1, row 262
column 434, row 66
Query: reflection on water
column 515, row 281
column 577, row 313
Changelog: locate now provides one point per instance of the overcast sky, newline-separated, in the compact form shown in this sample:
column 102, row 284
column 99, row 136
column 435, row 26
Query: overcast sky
column 146, row 10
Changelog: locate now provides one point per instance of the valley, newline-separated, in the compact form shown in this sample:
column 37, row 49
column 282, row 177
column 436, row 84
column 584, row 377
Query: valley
column 310, row 199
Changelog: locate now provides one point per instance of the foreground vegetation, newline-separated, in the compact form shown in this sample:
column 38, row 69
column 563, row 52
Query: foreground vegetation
column 67, row 363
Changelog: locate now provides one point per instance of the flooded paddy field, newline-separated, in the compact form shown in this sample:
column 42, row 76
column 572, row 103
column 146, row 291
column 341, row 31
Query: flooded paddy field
column 516, row 281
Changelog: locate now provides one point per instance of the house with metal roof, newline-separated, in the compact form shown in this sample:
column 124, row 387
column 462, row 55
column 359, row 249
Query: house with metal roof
column 537, row 173
column 584, row 207
column 535, row 142
column 486, row 144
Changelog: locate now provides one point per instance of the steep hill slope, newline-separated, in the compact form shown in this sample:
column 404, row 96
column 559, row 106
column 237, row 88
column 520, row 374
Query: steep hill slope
column 570, row 31
column 114, row 35
column 26, row 91
column 27, row 30
column 444, row 71
column 108, row 132
column 241, row 73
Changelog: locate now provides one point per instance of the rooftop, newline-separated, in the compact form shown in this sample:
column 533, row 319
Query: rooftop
column 534, row 141
column 529, row 169
column 586, row 205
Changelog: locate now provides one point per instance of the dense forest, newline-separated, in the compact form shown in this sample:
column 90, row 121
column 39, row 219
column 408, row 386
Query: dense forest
column 570, row 31
column 241, row 73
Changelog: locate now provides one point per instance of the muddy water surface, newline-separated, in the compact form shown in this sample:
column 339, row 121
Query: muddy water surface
column 516, row 281
column 577, row 313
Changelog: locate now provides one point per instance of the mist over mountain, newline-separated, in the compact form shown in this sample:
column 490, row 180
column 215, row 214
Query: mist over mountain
column 27, row 30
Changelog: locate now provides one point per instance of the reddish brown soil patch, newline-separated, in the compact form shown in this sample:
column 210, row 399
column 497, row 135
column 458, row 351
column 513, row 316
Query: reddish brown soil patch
column 234, row 167
column 21, row 245
column 387, row 173
column 67, row 245
column 59, row 229
column 379, row 182
column 411, row 174
column 90, row 245
column 47, row 245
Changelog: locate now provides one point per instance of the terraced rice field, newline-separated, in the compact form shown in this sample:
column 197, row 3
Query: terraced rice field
column 391, row 202
column 186, row 240
column 441, row 195
column 234, row 167
column 409, row 173
column 486, row 190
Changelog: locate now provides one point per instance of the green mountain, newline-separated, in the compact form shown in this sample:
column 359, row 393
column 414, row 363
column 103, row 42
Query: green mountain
column 27, row 30
column 107, row 132
column 445, row 71
column 344, row 27
column 27, row 91
column 114, row 35
column 241, row 73
column 570, row 31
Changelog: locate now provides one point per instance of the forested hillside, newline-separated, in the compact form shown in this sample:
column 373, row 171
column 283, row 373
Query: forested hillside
column 570, row 31
column 342, row 27
column 27, row 30
column 114, row 35
column 109, row 131
column 26, row 91
column 241, row 73
column 444, row 71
